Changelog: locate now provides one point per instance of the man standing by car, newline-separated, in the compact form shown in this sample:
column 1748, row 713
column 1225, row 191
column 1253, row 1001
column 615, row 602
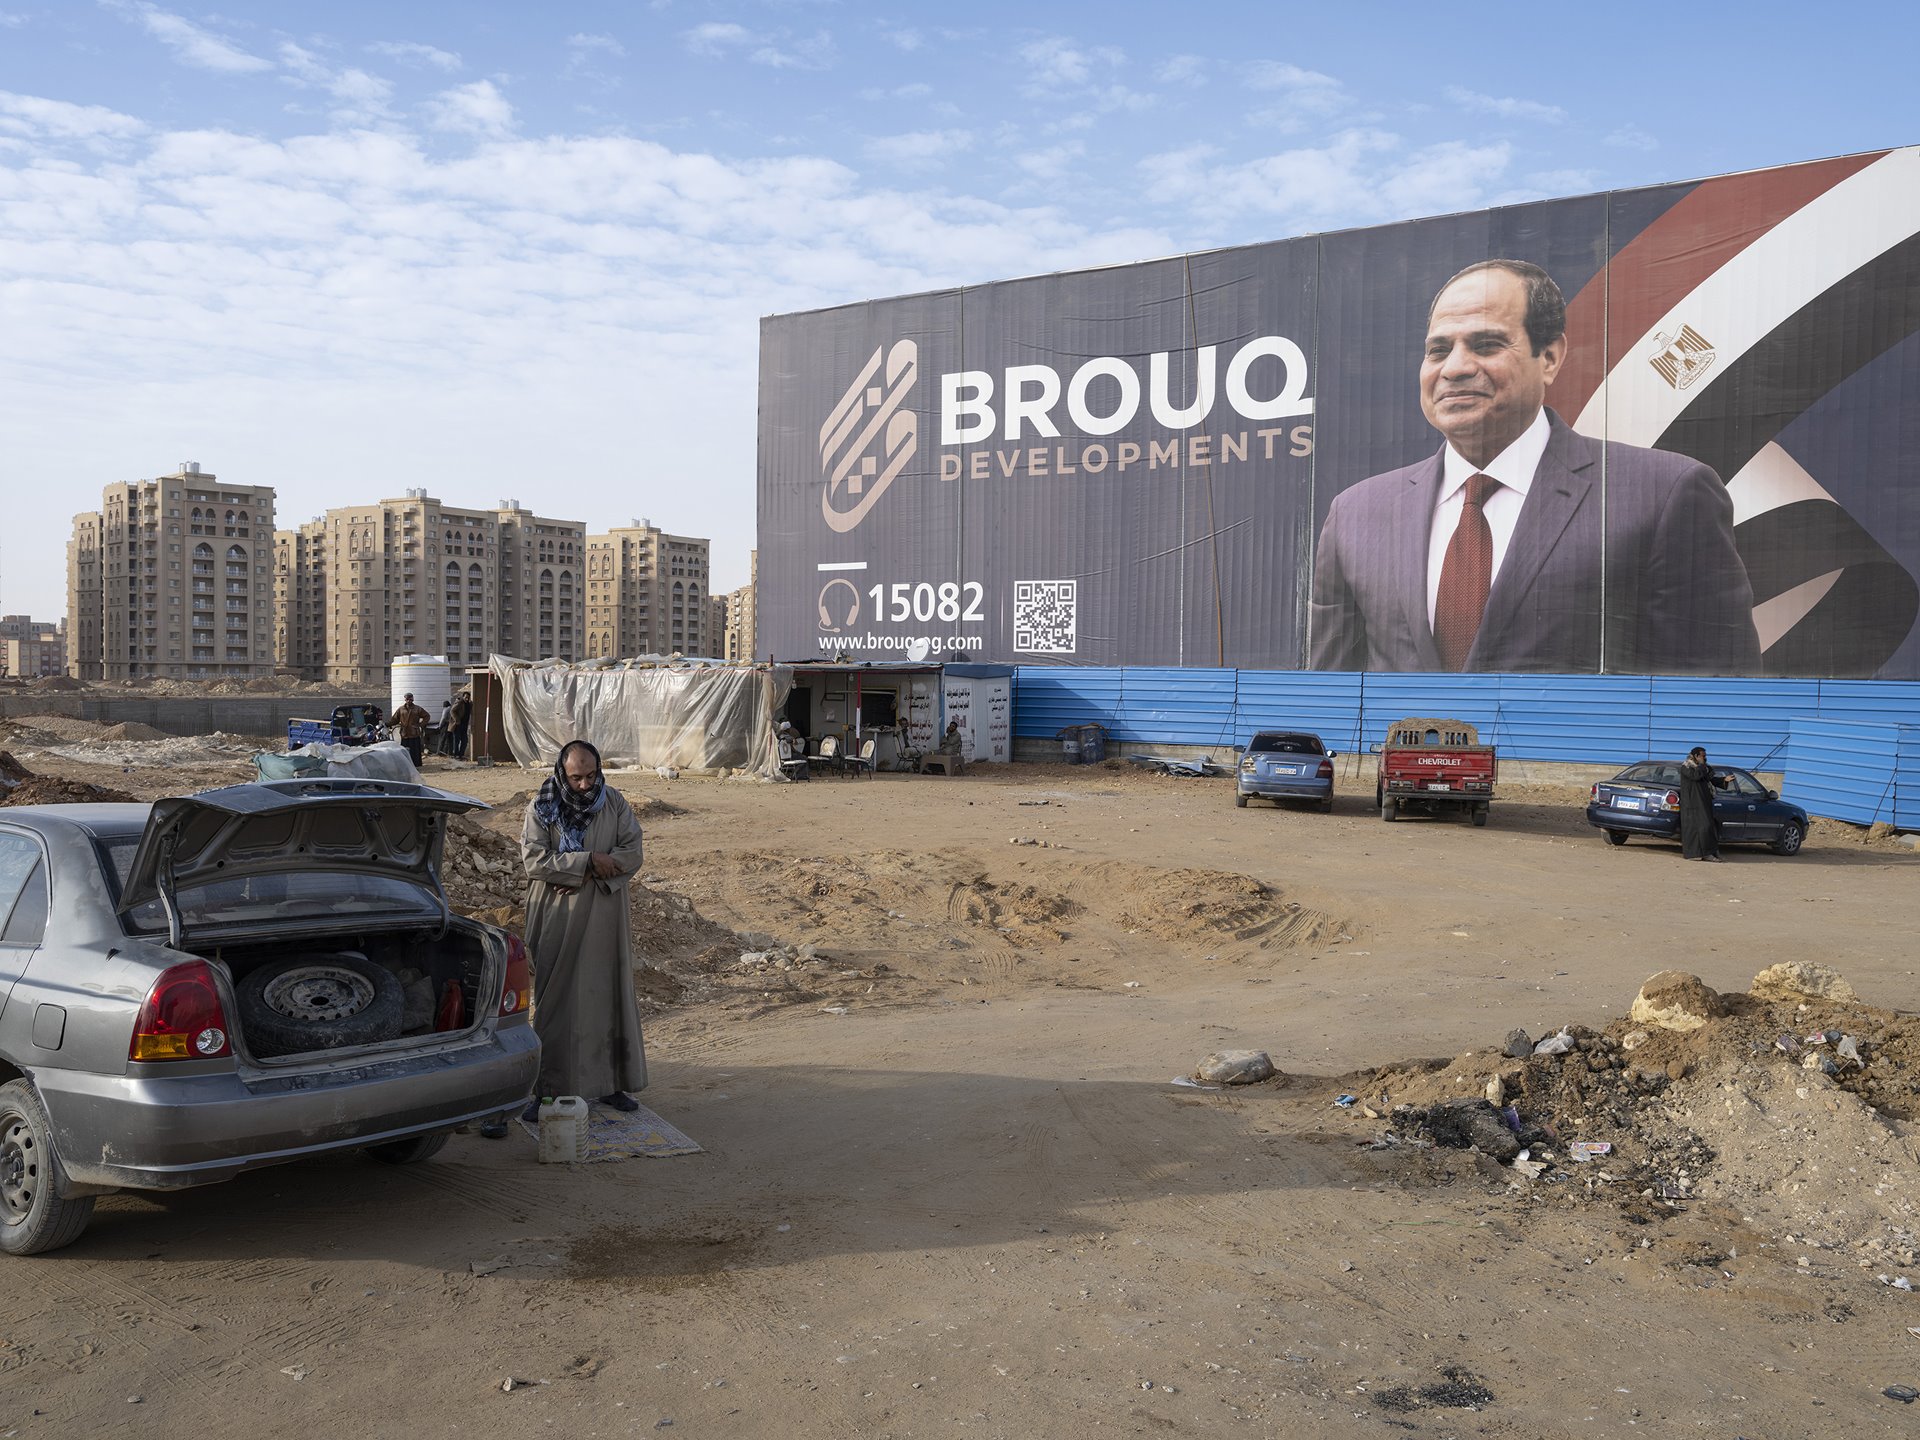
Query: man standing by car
column 1699, row 833
column 410, row 723
column 580, row 847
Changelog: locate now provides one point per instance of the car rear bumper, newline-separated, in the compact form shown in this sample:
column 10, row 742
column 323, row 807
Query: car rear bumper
column 148, row 1132
column 1659, row 824
column 1286, row 787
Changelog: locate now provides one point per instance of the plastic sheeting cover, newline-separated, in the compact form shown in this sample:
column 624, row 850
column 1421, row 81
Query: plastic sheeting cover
column 693, row 718
column 387, row 760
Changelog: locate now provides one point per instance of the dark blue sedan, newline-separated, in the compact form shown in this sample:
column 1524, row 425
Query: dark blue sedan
column 1644, row 799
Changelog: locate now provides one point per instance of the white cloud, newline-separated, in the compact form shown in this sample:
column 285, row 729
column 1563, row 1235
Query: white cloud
column 903, row 37
column 1181, row 70
column 919, row 149
column 1359, row 176
column 412, row 53
column 1505, row 107
column 1057, row 63
column 1052, row 163
column 474, row 109
column 604, row 43
column 917, row 90
column 12, row 20
column 1632, row 137
column 190, row 44
column 814, row 52
column 1308, row 91
column 716, row 38
column 33, row 116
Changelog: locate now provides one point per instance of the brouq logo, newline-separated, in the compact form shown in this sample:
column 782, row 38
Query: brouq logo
column 1684, row 359
column 868, row 439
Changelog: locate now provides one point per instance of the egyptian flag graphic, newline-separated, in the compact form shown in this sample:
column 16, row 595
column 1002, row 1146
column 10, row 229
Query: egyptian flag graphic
column 1737, row 311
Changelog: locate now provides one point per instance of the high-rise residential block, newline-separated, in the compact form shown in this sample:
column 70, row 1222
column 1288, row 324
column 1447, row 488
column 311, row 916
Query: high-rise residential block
column 179, row 571
column 647, row 593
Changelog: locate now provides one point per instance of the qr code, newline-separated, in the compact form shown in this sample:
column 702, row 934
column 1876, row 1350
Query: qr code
column 1045, row 615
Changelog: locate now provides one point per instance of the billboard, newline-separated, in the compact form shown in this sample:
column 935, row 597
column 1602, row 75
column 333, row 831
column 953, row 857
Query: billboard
column 1664, row 431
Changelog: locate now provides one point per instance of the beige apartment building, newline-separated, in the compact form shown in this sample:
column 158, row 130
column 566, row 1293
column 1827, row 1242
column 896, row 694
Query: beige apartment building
column 180, row 569
column 300, row 600
column 414, row 576
column 647, row 594
column 742, row 615
column 31, row 648
column 84, row 598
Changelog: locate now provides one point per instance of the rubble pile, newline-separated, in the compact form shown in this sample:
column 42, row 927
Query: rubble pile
column 1792, row 1102
column 154, row 749
column 52, row 790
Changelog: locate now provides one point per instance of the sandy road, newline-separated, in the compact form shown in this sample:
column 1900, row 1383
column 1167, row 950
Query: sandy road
column 974, row 1204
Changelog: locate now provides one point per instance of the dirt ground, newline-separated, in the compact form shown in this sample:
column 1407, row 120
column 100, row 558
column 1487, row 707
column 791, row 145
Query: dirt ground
column 949, row 1186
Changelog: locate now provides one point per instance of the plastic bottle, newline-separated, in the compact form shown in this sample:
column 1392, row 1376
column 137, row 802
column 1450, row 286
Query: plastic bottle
column 563, row 1130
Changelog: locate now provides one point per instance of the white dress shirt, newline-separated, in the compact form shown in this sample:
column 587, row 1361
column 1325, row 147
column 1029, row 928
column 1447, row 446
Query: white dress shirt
column 1513, row 467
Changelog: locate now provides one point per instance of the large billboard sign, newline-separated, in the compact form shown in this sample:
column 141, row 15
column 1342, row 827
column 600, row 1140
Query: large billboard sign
column 1665, row 431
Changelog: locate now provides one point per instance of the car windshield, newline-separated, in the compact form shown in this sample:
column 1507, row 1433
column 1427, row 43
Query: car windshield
column 1274, row 743
column 293, row 897
column 1651, row 773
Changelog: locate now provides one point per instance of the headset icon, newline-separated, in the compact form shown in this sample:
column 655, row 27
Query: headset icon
column 853, row 606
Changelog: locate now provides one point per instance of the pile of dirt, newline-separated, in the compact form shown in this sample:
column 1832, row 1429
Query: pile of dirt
column 52, row 790
column 132, row 730
column 1796, row 1110
column 54, row 729
column 156, row 749
column 644, row 807
column 12, row 772
column 54, row 682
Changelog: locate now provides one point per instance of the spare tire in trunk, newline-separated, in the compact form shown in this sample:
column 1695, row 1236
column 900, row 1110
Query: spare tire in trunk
column 318, row 1002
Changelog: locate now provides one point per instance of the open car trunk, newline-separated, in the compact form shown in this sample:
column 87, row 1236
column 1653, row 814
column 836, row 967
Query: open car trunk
column 401, row 988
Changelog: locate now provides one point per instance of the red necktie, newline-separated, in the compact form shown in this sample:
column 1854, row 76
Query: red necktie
column 1465, row 576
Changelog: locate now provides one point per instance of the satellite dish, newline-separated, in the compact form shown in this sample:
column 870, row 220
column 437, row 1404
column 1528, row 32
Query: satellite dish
column 918, row 650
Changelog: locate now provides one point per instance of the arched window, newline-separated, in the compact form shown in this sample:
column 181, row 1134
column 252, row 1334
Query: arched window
column 236, row 552
column 203, row 551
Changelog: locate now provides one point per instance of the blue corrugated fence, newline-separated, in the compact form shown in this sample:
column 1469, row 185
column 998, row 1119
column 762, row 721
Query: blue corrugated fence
column 1602, row 719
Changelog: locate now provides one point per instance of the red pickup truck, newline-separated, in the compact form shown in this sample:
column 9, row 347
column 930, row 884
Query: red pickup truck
column 1433, row 765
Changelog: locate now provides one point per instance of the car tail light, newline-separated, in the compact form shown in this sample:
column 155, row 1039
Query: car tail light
column 1325, row 772
column 1593, row 798
column 1671, row 800
column 518, row 994
column 182, row 1017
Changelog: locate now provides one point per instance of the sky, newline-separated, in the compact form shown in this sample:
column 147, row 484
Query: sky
column 507, row 251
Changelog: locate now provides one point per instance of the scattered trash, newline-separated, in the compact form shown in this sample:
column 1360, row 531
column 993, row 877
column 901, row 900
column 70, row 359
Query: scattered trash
column 1555, row 1044
column 1903, row 1283
column 298, row 1372
column 1786, row 1044
column 1848, row 1049
column 514, row 1382
column 1905, row 1394
column 1187, row 1082
column 835, row 1010
column 1346, row 1102
column 1133, row 985
column 1512, row 1116
column 1584, row 1150
column 1532, row 1169
column 1034, row 802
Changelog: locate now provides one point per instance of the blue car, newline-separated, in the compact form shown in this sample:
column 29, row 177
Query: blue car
column 1285, row 765
column 1644, row 799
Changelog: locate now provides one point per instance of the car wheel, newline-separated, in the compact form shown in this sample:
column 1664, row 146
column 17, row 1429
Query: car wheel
column 1788, row 842
column 1241, row 801
column 1389, row 809
column 1479, row 814
column 33, row 1217
column 1616, row 837
column 1326, row 806
column 411, row 1151
column 318, row 1002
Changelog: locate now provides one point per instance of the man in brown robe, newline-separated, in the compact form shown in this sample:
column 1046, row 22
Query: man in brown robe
column 580, row 846
column 1699, row 832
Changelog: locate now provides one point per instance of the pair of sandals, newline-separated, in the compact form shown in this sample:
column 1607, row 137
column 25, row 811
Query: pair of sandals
column 496, row 1128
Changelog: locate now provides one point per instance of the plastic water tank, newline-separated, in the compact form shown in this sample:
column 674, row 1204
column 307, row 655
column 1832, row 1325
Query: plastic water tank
column 427, row 677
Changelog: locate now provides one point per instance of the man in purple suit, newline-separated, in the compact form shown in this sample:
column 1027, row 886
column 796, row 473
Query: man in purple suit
column 1522, row 545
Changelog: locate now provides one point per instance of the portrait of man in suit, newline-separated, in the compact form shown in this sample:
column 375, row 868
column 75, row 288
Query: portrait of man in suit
column 1522, row 545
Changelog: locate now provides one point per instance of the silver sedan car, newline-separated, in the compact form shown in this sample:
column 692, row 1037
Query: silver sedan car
column 234, row 979
column 1285, row 765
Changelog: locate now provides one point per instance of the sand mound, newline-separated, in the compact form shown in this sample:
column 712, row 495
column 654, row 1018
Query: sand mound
column 131, row 730
column 1195, row 906
column 52, row 790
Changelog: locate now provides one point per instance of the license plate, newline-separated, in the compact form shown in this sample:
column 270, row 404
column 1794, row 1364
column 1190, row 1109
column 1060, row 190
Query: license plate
column 1626, row 802
column 1286, row 769
column 1439, row 785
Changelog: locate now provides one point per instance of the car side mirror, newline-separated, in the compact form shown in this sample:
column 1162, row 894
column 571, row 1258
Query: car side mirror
column 1773, row 794
column 1375, row 748
column 1333, row 754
